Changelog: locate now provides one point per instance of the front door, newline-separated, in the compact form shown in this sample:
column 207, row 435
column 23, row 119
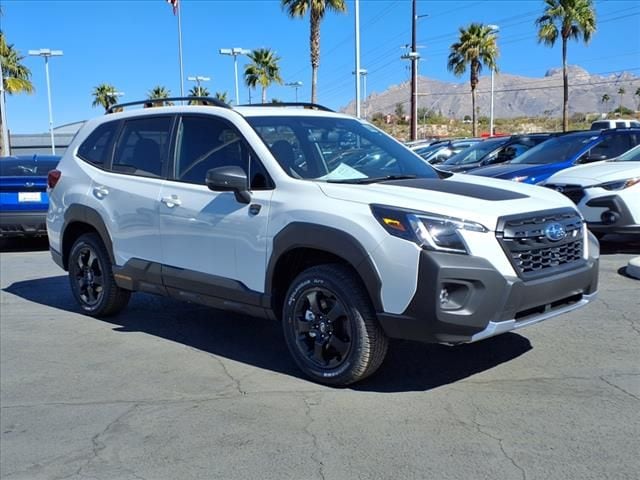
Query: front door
column 211, row 243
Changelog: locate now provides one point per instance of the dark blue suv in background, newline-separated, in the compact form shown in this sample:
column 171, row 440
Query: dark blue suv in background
column 23, row 194
column 563, row 151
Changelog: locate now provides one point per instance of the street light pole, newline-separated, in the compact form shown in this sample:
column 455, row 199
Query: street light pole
column 234, row 52
column 357, row 71
column 494, row 29
column 46, row 53
column 295, row 85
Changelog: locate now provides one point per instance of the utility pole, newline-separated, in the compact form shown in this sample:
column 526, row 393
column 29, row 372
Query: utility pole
column 414, row 73
column 414, row 56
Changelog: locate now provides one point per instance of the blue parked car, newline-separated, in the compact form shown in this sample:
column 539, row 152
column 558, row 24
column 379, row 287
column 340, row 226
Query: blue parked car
column 23, row 194
column 564, row 151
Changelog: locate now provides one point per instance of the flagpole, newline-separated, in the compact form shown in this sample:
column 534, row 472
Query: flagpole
column 179, row 8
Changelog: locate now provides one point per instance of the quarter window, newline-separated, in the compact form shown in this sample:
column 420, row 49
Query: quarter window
column 97, row 147
column 143, row 146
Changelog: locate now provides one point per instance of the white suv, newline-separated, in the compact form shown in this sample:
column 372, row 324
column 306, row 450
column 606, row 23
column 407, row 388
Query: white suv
column 606, row 193
column 315, row 218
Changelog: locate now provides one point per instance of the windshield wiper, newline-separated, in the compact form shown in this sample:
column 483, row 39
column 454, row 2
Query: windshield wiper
column 364, row 181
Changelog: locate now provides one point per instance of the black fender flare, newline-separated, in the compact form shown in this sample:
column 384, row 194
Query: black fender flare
column 87, row 215
column 330, row 240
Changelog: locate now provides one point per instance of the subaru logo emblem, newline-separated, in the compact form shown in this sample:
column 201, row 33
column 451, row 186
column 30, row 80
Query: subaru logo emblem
column 555, row 232
column 559, row 189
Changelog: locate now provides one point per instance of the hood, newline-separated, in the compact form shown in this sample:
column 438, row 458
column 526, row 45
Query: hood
column 481, row 200
column 595, row 173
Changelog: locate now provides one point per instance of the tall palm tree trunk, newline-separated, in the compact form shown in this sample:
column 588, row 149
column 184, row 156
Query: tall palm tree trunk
column 473, row 111
column 565, row 87
column 315, row 53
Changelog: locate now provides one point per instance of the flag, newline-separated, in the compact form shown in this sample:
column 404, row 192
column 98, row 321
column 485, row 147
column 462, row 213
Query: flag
column 174, row 4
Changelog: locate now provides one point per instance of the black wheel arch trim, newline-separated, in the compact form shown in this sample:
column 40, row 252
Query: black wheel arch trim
column 330, row 240
column 82, row 214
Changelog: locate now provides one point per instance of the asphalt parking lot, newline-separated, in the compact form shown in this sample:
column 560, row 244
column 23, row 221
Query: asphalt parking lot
column 170, row 390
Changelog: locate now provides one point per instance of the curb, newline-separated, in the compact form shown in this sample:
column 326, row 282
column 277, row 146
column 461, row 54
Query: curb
column 633, row 268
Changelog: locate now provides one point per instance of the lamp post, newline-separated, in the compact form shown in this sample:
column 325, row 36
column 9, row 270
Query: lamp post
column 494, row 29
column 295, row 85
column 234, row 52
column 46, row 53
column 198, row 79
column 414, row 56
column 363, row 76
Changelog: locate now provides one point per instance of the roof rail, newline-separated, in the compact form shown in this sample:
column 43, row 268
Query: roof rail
column 311, row 106
column 150, row 101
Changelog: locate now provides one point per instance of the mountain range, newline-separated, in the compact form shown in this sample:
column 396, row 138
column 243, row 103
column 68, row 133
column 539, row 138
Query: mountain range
column 514, row 95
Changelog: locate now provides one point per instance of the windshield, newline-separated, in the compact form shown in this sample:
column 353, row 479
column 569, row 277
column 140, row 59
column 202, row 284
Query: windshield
column 337, row 149
column 556, row 149
column 632, row 155
column 476, row 152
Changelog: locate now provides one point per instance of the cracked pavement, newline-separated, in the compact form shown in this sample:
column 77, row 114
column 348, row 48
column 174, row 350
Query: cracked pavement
column 172, row 390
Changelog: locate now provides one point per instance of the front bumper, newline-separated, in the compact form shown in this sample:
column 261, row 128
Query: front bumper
column 20, row 224
column 622, row 219
column 479, row 302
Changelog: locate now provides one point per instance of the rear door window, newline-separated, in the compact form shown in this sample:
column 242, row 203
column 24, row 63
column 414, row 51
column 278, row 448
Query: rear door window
column 143, row 146
column 97, row 148
column 612, row 146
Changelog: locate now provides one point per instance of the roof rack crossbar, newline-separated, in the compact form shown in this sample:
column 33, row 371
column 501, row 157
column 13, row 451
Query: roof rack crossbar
column 206, row 100
column 309, row 105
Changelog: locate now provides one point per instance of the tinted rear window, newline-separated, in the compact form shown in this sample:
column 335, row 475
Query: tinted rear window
column 28, row 167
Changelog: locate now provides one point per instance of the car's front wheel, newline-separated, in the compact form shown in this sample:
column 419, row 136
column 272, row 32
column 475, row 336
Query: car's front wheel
column 330, row 326
column 91, row 278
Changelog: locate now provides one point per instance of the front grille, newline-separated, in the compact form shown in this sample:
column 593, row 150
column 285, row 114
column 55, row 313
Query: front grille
column 575, row 193
column 526, row 241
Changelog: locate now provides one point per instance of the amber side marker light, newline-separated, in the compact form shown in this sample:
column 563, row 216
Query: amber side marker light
column 393, row 223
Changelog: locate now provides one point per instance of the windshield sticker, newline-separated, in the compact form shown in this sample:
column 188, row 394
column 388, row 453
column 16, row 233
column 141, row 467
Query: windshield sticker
column 342, row 172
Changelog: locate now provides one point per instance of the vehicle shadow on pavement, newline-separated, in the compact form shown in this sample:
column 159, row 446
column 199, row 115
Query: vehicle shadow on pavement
column 27, row 244
column 613, row 244
column 409, row 366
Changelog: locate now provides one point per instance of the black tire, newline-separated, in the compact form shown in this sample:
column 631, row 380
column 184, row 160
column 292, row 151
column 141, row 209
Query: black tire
column 91, row 278
column 599, row 235
column 330, row 326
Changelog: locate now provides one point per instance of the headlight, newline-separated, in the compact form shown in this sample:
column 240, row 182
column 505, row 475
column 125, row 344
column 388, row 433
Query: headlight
column 520, row 179
column 428, row 230
column 618, row 184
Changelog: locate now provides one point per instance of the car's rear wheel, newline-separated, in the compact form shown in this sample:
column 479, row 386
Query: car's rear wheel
column 91, row 278
column 330, row 326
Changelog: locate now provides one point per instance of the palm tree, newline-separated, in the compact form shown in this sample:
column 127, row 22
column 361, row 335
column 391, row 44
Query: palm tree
column 264, row 70
column 198, row 91
column 605, row 99
column 566, row 19
column 16, row 78
column 317, row 10
column 475, row 48
column 104, row 95
column 621, row 92
column 158, row 93
column 223, row 97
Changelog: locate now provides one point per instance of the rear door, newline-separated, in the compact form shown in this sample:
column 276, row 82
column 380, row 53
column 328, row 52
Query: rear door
column 128, row 191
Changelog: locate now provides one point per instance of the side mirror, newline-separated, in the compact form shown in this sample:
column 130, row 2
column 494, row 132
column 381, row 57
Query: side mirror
column 592, row 158
column 229, row 179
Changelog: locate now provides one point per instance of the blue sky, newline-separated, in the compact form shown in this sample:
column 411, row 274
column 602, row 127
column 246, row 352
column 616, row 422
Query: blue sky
column 133, row 45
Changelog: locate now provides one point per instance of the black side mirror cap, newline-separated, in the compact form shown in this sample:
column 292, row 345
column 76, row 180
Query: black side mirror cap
column 229, row 179
column 592, row 158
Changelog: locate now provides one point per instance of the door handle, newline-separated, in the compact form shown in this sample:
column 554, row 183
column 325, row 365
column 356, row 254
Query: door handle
column 100, row 191
column 172, row 201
